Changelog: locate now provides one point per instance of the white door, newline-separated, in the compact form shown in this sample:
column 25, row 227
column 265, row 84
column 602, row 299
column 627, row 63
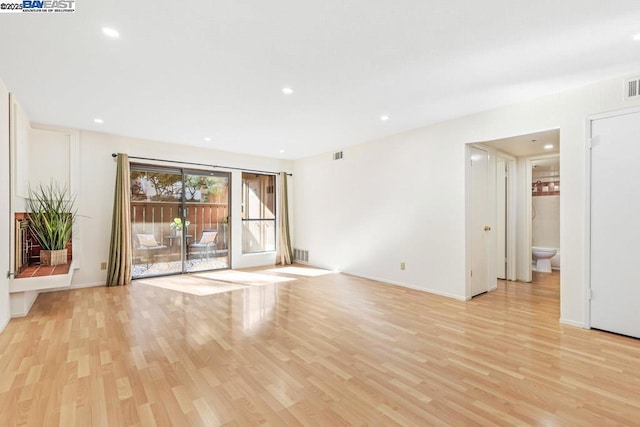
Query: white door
column 615, row 229
column 501, row 218
column 479, row 161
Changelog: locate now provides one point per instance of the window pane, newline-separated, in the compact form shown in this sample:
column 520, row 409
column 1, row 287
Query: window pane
column 155, row 204
column 258, row 213
column 258, row 198
column 258, row 236
column 207, row 210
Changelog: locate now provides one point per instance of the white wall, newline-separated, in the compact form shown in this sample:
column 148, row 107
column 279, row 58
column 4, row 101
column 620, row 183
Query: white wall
column 376, row 208
column 401, row 198
column 5, row 206
column 50, row 159
column 97, row 180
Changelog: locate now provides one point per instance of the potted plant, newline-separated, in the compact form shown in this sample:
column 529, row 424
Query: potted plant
column 51, row 212
column 177, row 226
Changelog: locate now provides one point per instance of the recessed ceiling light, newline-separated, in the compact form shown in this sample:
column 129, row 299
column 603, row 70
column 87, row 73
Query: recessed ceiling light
column 548, row 146
column 287, row 90
column 636, row 37
column 98, row 121
column 282, row 151
column 384, row 118
column 207, row 139
column 110, row 32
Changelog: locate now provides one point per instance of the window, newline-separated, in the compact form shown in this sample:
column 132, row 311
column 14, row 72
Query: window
column 258, row 213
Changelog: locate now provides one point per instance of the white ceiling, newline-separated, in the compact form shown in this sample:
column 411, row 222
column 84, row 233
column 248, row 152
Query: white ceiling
column 183, row 71
column 529, row 144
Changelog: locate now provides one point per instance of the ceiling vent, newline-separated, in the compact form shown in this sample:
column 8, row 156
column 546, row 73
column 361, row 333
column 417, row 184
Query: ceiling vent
column 337, row 155
column 632, row 88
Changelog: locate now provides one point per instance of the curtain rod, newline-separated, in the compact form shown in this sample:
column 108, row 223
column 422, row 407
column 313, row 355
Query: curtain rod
column 203, row 164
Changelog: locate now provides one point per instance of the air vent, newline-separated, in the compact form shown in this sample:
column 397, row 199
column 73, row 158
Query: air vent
column 337, row 155
column 301, row 255
column 632, row 88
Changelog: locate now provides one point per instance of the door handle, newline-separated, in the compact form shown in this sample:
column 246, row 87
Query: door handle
column 487, row 228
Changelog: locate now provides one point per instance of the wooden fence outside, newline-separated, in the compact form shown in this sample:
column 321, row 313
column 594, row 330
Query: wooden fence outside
column 155, row 217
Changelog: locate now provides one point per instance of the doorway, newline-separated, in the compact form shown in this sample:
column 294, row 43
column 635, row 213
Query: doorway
column 179, row 220
column 508, row 202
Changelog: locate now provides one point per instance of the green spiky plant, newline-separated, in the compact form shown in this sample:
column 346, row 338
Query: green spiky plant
column 52, row 213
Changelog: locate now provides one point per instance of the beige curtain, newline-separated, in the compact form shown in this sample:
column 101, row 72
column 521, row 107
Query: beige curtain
column 119, row 272
column 283, row 254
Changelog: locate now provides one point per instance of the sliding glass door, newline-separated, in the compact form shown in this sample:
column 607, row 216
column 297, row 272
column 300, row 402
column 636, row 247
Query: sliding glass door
column 207, row 210
column 179, row 220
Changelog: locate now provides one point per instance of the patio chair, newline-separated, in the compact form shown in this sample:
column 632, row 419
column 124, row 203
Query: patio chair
column 207, row 241
column 149, row 245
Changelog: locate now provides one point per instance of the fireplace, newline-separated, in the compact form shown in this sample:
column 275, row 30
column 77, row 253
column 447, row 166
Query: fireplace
column 27, row 252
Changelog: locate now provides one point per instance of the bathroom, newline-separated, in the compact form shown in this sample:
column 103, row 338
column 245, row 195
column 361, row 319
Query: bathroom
column 545, row 214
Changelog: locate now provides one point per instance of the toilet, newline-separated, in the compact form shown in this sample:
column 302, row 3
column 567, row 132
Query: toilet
column 542, row 258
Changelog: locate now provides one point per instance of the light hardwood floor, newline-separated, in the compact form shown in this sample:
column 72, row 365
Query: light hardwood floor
column 326, row 350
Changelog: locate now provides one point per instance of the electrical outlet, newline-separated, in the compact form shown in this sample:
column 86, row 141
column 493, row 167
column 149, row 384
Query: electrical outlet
column 402, row 265
column 103, row 266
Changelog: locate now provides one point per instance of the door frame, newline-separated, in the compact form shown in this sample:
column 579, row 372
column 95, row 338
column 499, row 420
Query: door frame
column 511, row 217
column 7, row 231
column 587, row 243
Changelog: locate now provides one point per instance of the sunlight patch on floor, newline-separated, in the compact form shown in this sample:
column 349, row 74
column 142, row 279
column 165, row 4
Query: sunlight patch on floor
column 191, row 284
column 245, row 278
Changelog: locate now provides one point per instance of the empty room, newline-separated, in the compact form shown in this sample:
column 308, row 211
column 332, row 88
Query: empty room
column 319, row 213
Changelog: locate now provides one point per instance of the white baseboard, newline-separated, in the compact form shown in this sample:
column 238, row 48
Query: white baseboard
column 407, row 285
column 320, row 266
column 307, row 263
column 76, row 286
column 5, row 323
column 573, row 323
column 88, row 285
column 390, row 282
